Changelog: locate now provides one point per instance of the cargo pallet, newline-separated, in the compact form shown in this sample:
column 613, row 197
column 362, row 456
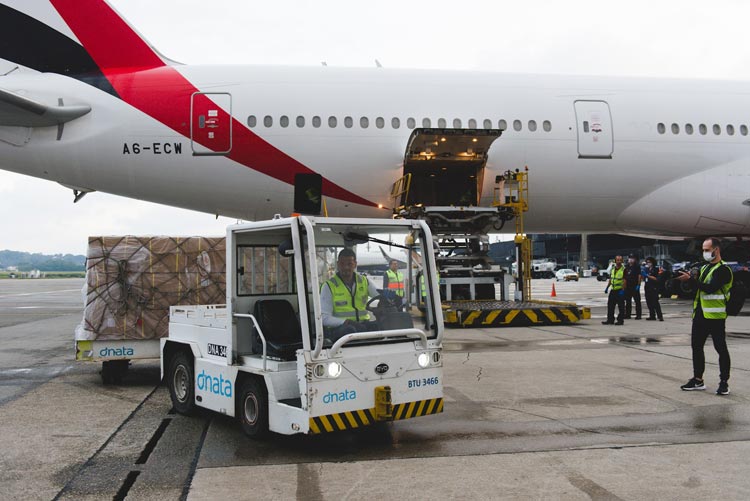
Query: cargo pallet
column 511, row 313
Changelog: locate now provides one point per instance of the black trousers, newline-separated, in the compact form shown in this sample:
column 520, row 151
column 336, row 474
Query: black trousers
column 631, row 294
column 702, row 328
column 652, row 301
column 615, row 298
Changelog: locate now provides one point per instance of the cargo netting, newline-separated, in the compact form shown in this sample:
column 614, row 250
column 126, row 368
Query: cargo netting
column 132, row 281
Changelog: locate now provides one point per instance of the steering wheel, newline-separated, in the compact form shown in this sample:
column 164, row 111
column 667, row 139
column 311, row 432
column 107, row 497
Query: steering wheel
column 373, row 309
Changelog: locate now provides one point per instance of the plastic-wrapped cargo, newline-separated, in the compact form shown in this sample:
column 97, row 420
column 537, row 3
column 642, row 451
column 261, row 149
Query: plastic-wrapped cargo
column 132, row 281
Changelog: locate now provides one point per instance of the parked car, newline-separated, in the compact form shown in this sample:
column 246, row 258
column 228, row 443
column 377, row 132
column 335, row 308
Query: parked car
column 566, row 274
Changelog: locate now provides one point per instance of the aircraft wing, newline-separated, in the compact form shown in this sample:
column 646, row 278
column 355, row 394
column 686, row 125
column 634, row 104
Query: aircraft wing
column 388, row 258
column 20, row 111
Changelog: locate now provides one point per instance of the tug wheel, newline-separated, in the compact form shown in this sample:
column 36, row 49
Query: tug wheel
column 181, row 383
column 252, row 408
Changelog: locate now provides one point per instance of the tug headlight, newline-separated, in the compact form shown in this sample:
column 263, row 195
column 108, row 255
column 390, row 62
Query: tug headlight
column 327, row 370
column 334, row 369
column 423, row 360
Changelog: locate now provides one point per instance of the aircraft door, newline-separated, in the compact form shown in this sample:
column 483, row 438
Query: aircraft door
column 594, row 122
column 211, row 123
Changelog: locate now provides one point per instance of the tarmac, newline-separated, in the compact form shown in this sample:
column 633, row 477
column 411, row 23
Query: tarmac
column 582, row 411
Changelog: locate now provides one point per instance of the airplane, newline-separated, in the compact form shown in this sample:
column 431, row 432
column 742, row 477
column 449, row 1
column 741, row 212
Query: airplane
column 87, row 102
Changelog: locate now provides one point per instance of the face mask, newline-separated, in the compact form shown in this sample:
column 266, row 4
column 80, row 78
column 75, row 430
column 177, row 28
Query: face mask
column 708, row 255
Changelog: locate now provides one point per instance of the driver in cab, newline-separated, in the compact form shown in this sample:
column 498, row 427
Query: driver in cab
column 343, row 299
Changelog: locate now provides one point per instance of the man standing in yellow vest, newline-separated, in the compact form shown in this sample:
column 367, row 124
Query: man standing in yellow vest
column 616, row 286
column 710, row 315
column 343, row 299
column 393, row 280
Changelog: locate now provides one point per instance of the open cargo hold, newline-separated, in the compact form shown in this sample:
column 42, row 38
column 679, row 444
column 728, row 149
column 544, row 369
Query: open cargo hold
column 132, row 281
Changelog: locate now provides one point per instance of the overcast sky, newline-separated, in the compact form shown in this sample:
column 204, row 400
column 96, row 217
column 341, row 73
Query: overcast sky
column 686, row 39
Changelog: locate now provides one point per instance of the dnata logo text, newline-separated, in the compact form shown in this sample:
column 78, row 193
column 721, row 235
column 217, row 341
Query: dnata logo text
column 340, row 396
column 215, row 385
column 116, row 352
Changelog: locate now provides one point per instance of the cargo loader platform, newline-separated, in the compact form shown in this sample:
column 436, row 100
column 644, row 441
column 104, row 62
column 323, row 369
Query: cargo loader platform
column 511, row 313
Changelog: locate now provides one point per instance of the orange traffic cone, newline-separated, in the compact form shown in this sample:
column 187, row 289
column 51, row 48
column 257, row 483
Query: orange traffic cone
column 554, row 294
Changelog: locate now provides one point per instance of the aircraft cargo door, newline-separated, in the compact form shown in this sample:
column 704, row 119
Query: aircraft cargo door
column 445, row 167
column 211, row 123
column 594, row 122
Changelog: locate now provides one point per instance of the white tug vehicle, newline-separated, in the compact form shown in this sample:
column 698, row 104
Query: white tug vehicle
column 266, row 358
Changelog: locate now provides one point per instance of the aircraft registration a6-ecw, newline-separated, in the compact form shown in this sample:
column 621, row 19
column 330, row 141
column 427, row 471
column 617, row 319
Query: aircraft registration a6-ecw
column 86, row 102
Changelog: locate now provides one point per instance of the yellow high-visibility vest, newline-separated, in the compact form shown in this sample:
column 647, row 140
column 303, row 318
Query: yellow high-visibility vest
column 714, row 305
column 617, row 278
column 396, row 282
column 346, row 305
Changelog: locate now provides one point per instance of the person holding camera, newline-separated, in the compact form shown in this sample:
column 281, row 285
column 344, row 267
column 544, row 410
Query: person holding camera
column 713, row 281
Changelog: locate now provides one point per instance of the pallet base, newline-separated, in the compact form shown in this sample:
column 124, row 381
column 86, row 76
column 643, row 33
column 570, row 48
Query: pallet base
column 511, row 313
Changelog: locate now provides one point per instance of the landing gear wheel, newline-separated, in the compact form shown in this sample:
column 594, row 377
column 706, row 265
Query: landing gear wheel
column 114, row 370
column 252, row 408
column 181, row 383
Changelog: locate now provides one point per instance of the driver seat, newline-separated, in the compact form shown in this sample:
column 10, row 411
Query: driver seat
column 278, row 321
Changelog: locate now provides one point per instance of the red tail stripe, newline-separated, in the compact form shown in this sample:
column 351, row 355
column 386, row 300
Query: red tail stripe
column 164, row 94
column 107, row 38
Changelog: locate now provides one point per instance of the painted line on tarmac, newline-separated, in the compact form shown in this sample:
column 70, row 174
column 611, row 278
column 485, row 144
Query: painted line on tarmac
column 43, row 307
column 38, row 293
column 37, row 372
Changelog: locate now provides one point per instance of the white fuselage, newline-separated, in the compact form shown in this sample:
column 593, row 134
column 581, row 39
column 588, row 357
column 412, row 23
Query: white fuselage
column 650, row 182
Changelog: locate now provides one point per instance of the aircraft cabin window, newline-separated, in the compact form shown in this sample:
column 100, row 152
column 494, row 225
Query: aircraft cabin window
column 348, row 122
column 252, row 121
column 532, row 125
column 411, row 123
column 332, row 122
column 364, row 122
column 730, row 129
column 547, row 126
column 456, row 123
column 316, row 121
column 702, row 129
column 717, row 129
column 743, row 130
column 284, row 121
column 502, row 125
column 268, row 121
column 487, row 124
column 426, row 123
column 300, row 121
column 472, row 123
column 517, row 126
column 442, row 123
column 675, row 129
column 661, row 128
column 395, row 123
column 379, row 122
column 689, row 129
